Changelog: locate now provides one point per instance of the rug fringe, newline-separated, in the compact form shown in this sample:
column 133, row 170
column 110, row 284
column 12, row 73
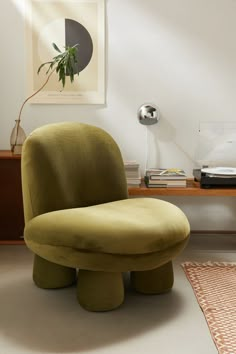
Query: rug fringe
column 208, row 264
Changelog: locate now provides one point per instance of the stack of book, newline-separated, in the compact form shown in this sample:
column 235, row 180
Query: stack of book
column 132, row 171
column 160, row 177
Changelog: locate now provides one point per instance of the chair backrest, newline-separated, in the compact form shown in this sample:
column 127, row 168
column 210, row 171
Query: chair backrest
column 70, row 165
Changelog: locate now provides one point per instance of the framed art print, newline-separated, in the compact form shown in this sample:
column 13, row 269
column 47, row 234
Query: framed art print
column 66, row 23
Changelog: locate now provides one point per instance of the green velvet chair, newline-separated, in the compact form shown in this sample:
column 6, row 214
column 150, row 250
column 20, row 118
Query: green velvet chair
column 81, row 225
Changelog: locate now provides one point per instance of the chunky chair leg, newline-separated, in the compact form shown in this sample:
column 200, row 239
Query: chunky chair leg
column 155, row 281
column 48, row 275
column 100, row 291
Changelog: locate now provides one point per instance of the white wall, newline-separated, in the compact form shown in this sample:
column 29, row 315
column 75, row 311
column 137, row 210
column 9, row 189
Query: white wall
column 180, row 55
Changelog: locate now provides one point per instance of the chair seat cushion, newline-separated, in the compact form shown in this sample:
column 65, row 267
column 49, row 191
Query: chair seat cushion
column 129, row 226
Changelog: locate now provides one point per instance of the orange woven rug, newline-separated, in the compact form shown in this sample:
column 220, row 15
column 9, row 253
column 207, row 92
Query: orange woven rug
column 214, row 285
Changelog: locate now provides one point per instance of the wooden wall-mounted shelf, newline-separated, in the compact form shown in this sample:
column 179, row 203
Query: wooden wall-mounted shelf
column 11, row 204
column 192, row 189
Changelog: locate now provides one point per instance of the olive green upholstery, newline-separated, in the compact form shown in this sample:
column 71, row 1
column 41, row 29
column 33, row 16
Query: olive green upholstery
column 78, row 218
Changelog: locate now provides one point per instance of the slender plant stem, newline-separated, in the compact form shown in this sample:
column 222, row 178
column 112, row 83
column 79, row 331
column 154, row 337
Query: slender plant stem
column 25, row 101
column 35, row 93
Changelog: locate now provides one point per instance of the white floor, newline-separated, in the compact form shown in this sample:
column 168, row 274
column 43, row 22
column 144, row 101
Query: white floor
column 50, row 321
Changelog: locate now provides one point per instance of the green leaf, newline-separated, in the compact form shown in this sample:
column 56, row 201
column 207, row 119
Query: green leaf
column 71, row 77
column 42, row 65
column 58, row 57
column 62, row 75
column 63, row 80
column 56, row 47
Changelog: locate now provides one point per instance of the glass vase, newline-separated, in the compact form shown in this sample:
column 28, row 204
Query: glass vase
column 17, row 138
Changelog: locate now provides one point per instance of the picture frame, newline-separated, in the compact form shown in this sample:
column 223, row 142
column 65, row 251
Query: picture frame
column 66, row 22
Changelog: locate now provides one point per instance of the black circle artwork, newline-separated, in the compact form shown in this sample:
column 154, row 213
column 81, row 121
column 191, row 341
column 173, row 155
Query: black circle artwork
column 75, row 33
